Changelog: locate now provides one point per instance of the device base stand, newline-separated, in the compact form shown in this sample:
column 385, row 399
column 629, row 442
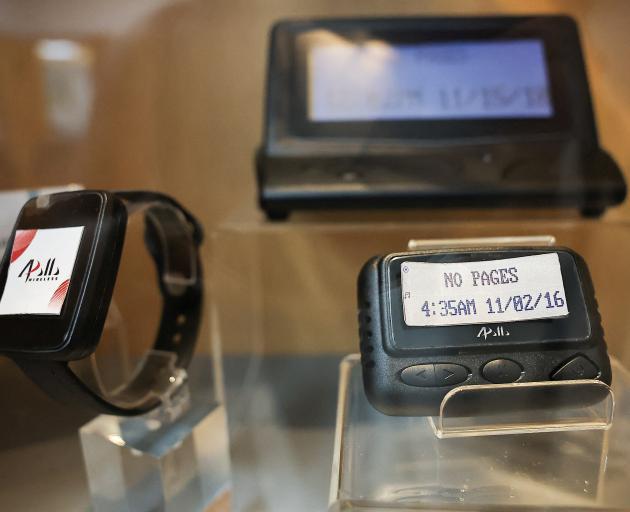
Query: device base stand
column 165, row 461
column 384, row 463
column 143, row 464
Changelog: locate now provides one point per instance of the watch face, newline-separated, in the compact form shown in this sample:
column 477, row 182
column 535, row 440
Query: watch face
column 40, row 270
column 58, row 272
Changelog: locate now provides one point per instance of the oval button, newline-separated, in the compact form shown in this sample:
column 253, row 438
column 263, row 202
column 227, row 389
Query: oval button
column 502, row 371
column 449, row 374
column 421, row 375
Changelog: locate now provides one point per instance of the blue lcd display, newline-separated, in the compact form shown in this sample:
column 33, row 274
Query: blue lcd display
column 379, row 81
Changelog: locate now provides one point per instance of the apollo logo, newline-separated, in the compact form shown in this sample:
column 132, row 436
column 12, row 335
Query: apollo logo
column 33, row 271
column 499, row 331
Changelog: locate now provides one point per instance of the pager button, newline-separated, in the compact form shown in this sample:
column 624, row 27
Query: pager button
column 579, row 367
column 449, row 374
column 502, row 371
column 420, row 375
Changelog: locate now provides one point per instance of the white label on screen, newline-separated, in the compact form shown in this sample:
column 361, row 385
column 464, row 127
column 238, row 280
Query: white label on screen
column 509, row 290
column 40, row 270
column 454, row 80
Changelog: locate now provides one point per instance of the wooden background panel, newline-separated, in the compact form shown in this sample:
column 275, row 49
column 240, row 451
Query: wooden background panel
column 178, row 93
column 210, row 79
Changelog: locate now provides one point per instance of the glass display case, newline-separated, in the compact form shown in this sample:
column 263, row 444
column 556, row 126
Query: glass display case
column 259, row 118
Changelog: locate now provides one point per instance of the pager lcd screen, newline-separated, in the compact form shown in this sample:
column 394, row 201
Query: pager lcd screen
column 381, row 81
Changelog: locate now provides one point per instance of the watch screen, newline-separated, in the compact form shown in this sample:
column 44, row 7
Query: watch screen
column 491, row 291
column 379, row 81
column 40, row 269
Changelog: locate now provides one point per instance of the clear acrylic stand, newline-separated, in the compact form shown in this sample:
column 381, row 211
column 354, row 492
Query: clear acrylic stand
column 563, row 461
column 493, row 241
column 174, row 458
column 501, row 409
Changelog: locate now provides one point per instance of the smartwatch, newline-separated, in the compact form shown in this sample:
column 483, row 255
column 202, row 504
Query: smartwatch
column 432, row 320
column 57, row 278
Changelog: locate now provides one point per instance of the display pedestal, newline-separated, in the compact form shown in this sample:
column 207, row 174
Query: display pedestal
column 173, row 459
column 576, row 458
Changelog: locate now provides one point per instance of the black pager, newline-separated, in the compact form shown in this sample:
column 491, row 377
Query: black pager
column 432, row 320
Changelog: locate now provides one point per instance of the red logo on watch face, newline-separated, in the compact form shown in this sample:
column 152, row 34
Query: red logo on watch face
column 23, row 239
column 56, row 301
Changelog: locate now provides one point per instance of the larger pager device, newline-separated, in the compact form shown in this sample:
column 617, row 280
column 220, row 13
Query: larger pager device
column 431, row 112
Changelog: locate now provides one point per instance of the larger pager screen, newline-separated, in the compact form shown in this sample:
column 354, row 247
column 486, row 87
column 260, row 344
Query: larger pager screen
column 379, row 81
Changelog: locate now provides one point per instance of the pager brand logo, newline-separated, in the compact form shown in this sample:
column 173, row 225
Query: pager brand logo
column 488, row 331
column 33, row 271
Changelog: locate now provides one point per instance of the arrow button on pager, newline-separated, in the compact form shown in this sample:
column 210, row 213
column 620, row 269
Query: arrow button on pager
column 449, row 374
column 434, row 375
column 421, row 375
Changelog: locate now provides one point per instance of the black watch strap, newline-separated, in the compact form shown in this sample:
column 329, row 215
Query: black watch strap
column 172, row 236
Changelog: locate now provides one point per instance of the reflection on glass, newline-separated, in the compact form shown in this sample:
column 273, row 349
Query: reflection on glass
column 68, row 84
